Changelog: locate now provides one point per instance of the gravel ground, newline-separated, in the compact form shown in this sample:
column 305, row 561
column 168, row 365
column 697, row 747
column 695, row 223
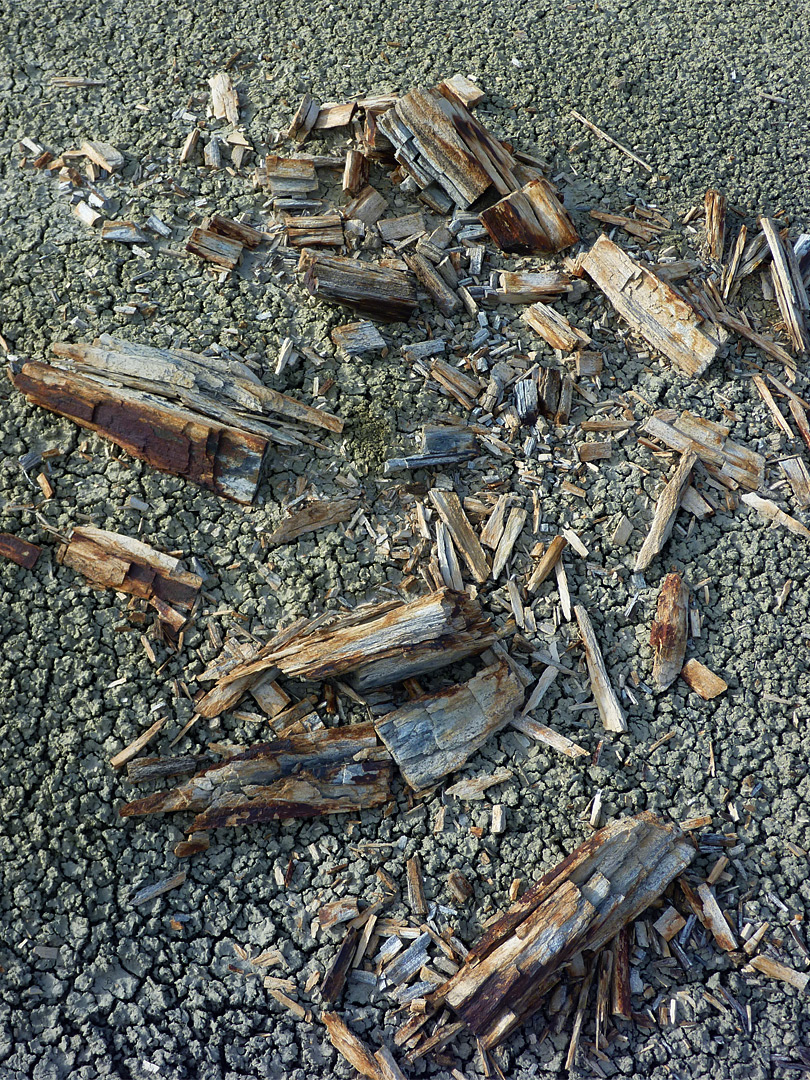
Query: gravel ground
column 94, row 987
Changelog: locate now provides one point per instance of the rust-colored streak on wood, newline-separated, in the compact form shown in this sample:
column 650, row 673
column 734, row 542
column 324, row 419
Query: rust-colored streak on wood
column 19, row 551
column 173, row 440
column 669, row 631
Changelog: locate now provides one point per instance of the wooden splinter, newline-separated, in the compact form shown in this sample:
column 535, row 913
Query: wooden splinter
column 669, row 631
column 666, row 510
column 608, row 704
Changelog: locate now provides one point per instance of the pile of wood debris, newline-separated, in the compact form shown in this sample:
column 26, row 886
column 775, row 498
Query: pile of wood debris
column 211, row 420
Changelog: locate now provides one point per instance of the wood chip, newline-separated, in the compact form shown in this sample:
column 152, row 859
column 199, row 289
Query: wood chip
column 224, row 99
column 317, row 515
column 104, row 155
column 609, row 709
column 669, row 631
column 774, row 969
column 704, row 682
column 19, row 551
column 714, row 919
column 729, row 462
column 768, row 509
column 449, row 507
column 554, row 328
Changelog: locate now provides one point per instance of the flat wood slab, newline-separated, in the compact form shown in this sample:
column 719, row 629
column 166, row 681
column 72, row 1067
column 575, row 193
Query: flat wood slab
column 300, row 776
column 731, row 463
column 379, row 291
column 435, row 734
column 653, row 308
column 581, row 904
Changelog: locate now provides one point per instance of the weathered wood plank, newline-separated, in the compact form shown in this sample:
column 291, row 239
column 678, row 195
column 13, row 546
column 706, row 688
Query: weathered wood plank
column 530, row 221
column 653, row 308
column 666, row 510
column 382, row 292
column 299, row 776
column 224, row 99
column 581, row 904
column 434, row 735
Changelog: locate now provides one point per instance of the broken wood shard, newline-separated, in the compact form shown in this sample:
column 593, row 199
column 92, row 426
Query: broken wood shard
column 554, row 328
column 224, row 99
column 377, row 290
column 653, row 308
column 317, row 230
column 449, row 507
column 669, row 631
column 435, row 734
column 104, row 155
column 318, row 515
column 19, row 551
column 578, row 906
column 357, row 338
column 111, row 560
column 704, row 682
column 729, row 462
column 530, row 221
column 350, row 1047
column 769, row 509
column 377, row 644
column 302, row 775
column 608, row 704
column 666, row 510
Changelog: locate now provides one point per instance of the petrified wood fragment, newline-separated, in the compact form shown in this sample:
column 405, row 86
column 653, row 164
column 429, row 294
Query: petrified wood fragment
column 377, row 290
column 113, row 561
column 578, row 906
column 221, row 458
column 379, row 644
column 666, row 510
column 317, row 515
column 530, row 221
column 19, row 551
column 669, row 631
column 299, row 776
column 729, row 462
column 435, row 734
column 653, row 308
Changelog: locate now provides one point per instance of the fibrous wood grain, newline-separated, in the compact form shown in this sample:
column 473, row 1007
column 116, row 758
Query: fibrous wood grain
column 111, row 560
column 789, row 292
column 378, row 644
column 530, row 221
column 526, row 287
column 554, row 328
column 653, row 308
column 299, row 776
column 449, row 507
column 224, row 99
column 731, row 463
column 609, row 709
column 350, row 1047
column 704, row 682
column 579, row 905
column 357, row 338
column 435, row 734
column 669, row 631
column 377, row 290
column 666, row 510
column 317, row 515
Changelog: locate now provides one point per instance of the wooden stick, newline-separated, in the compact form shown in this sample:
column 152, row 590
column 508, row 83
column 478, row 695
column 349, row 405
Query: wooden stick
column 579, row 1018
column 666, row 510
column 604, row 135
column 548, row 561
column 350, row 1047
column 606, row 700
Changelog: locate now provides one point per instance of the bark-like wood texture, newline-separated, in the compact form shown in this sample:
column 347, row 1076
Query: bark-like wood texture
column 653, row 308
column 199, row 417
column 378, row 644
column 386, row 294
column 530, row 221
column 435, row 734
column 729, row 462
column 608, row 704
column 669, row 631
column 579, row 905
column 666, row 510
column 300, row 776
column 113, row 561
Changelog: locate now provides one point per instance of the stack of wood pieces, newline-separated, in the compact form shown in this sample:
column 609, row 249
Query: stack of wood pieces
column 201, row 417
column 221, row 241
column 113, row 561
column 578, row 907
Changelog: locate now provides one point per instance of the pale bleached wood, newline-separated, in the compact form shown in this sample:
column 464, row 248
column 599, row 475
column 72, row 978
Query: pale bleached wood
column 770, row 510
column 214, row 248
column 304, row 120
column 357, row 338
column 509, row 537
column 527, row 287
column 463, row 89
column 785, row 288
column 298, row 776
column 798, row 477
column 715, row 921
column 666, row 510
column 104, row 155
column 554, row 328
column 334, row 116
column 774, row 969
column 608, row 704
column 579, row 905
column 435, row 734
column 653, row 308
column 669, row 631
column 317, row 230
column 526, row 726
column 493, row 530
column 727, row 461
column 448, row 505
column 224, row 99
